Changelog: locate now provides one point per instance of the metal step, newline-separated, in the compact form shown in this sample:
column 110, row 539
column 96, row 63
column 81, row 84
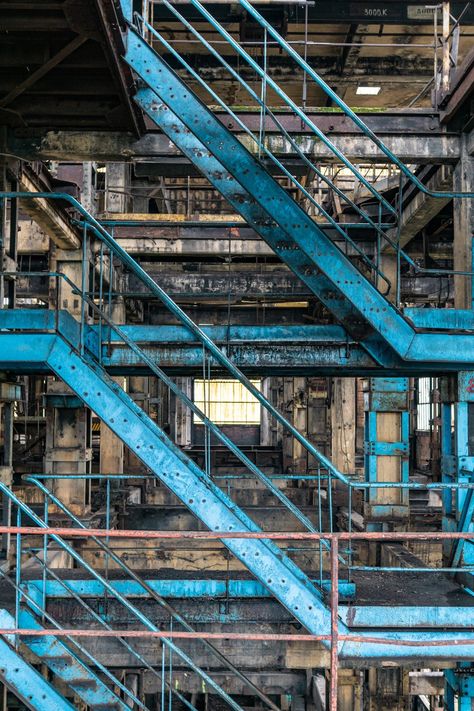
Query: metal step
column 289, row 231
column 82, row 680
column 24, row 680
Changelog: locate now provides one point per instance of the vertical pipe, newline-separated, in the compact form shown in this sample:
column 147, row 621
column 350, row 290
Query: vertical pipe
column 162, row 676
column 170, row 682
column 109, row 312
column 435, row 58
column 83, row 287
column 446, row 54
column 101, row 305
column 334, row 622
column 320, row 527
column 13, row 246
column 107, row 539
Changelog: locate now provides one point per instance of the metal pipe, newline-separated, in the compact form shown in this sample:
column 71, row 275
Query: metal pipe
column 264, row 637
column 216, row 535
column 155, row 596
column 334, row 624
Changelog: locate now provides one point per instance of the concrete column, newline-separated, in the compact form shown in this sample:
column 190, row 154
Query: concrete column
column 388, row 690
column 117, row 185
column 68, row 448
column 343, row 424
column 8, row 240
column 389, row 266
column 9, row 393
column 270, row 429
column 463, row 224
column 350, row 690
column 181, row 420
column 295, row 396
column 111, row 447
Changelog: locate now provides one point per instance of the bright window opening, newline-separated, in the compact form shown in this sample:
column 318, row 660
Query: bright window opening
column 227, row 402
column 426, row 409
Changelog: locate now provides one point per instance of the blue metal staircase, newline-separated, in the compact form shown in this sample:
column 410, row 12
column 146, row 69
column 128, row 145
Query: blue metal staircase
column 179, row 473
column 23, row 679
column 199, row 493
column 65, row 665
column 267, row 207
column 74, row 353
column 242, row 178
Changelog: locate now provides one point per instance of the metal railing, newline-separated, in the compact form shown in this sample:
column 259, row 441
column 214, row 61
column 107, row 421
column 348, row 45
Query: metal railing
column 384, row 240
column 407, row 642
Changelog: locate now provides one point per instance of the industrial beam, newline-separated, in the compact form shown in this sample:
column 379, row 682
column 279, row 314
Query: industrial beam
column 118, row 146
column 43, row 70
column 423, row 207
column 48, row 216
column 224, row 285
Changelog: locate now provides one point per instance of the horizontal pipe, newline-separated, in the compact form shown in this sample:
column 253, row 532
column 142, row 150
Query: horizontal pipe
column 265, row 535
column 264, row 637
column 434, row 486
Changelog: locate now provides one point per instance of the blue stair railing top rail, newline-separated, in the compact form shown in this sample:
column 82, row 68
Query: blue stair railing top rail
column 49, row 496
column 384, row 239
column 85, row 339
column 23, row 508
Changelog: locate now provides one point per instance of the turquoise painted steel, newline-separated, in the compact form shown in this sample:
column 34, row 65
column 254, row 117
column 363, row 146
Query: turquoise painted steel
column 273, row 32
column 355, row 616
column 21, row 506
column 24, row 680
column 201, row 124
column 384, row 238
column 67, row 666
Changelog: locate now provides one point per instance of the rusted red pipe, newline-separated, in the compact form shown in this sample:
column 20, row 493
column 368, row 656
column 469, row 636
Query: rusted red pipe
column 213, row 535
column 172, row 634
column 334, row 624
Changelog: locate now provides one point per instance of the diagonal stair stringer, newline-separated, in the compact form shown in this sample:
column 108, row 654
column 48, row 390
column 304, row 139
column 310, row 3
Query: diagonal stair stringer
column 346, row 280
column 189, row 483
column 278, row 239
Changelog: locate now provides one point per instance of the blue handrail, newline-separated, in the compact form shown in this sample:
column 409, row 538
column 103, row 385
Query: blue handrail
column 391, row 243
column 337, row 100
column 118, row 596
column 182, row 316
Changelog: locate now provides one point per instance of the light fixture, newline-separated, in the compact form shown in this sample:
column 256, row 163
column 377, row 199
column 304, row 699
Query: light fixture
column 368, row 90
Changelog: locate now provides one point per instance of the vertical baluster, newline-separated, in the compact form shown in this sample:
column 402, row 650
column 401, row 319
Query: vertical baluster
column 170, row 699
column 320, row 526
column 263, row 97
column 109, row 298
column 107, row 526
column 334, row 622
column 349, row 528
column 101, row 286
column 18, row 577
column 85, row 235
column 399, row 225
column 162, row 676
column 45, row 553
